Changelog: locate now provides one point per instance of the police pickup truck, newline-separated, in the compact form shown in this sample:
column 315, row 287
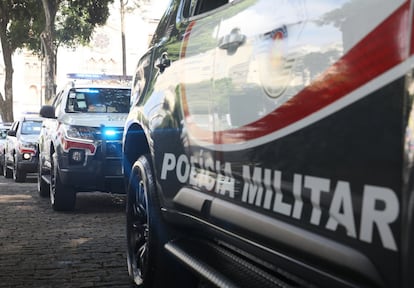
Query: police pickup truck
column 80, row 141
column 270, row 143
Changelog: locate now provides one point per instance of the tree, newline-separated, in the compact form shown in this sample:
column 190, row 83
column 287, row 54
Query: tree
column 20, row 21
column 70, row 23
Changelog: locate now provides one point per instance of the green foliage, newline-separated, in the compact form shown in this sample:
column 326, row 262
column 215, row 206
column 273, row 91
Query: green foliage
column 74, row 24
column 23, row 22
column 77, row 19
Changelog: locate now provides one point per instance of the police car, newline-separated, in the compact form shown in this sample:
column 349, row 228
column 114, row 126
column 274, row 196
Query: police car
column 20, row 156
column 270, row 144
column 80, row 141
column 4, row 127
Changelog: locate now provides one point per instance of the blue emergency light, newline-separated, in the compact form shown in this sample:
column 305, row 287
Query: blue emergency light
column 109, row 132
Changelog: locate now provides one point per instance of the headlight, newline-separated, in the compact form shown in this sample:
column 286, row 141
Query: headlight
column 110, row 133
column 80, row 132
column 27, row 147
column 78, row 137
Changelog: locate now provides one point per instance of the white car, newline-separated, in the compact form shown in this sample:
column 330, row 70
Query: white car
column 20, row 152
column 4, row 127
column 80, row 142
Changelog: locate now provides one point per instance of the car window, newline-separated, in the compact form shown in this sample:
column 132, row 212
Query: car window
column 98, row 100
column 58, row 102
column 31, row 127
column 203, row 6
column 15, row 126
column 3, row 133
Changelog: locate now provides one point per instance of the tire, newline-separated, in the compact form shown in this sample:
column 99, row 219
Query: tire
column 148, row 263
column 18, row 175
column 62, row 198
column 7, row 173
column 42, row 187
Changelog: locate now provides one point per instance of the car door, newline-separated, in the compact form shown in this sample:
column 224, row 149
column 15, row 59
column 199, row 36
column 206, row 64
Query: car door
column 181, row 94
column 11, row 143
column 277, row 78
column 48, row 132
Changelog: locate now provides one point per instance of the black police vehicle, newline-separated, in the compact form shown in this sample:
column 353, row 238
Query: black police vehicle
column 270, row 143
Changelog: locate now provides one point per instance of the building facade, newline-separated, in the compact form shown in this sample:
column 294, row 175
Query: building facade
column 103, row 55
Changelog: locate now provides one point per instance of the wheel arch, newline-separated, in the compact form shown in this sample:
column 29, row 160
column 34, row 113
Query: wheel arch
column 135, row 145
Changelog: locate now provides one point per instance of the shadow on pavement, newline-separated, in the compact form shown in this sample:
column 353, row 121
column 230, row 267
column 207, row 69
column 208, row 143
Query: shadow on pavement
column 98, row 202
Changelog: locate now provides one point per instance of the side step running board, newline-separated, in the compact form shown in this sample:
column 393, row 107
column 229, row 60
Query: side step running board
column 221, row 267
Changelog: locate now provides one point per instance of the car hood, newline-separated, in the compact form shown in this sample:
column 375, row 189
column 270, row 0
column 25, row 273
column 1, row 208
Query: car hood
column 95, row 119
column 30, row 138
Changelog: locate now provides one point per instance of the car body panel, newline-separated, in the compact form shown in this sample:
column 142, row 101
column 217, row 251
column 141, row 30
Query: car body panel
column 24, row 140
column 94, row 171
column 4, row 127
column 288, row 129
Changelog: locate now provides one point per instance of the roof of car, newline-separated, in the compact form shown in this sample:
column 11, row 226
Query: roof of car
column 30, row 116
column 98, row 81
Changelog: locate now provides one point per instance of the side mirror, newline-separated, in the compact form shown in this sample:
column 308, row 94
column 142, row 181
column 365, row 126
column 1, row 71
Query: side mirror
column 11, row 133
column 47, row 111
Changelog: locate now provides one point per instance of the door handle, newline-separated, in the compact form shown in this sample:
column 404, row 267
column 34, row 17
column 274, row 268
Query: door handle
column 231, row 42
column 163, row 62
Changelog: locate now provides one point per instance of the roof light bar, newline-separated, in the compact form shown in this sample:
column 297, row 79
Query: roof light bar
column 98, row 76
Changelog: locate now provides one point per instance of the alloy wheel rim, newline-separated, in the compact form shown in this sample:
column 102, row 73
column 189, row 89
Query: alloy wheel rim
column 4, row 167
column 39, row 177
column 52, row 185
column 14, row 168
column 139, row 236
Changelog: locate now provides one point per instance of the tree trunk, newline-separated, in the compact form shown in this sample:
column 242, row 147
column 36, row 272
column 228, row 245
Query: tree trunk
column 47, row 37
column 123, row 37
column 50, row 67
column 6, row 104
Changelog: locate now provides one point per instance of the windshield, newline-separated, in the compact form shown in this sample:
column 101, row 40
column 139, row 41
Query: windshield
column 98, row 100
column 31, row 127
column 3, row 133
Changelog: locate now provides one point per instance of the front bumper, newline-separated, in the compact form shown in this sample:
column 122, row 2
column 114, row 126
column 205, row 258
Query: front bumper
column 98, row 172
column 28, row 165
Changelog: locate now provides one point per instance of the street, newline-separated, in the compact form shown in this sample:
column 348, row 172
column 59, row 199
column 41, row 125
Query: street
column 42, row 248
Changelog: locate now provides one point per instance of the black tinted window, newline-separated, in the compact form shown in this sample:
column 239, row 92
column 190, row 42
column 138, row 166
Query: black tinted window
column 207, row 5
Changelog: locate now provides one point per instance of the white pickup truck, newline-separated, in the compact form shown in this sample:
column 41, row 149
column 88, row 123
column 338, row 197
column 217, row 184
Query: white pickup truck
column 80, row 142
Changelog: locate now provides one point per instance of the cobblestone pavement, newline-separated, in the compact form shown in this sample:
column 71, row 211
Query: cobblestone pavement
column 42, row 248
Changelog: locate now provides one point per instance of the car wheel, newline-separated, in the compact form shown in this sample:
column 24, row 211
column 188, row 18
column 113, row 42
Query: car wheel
column 62, row 198
column 2, row 164
column 148, row 263
column 42, row 185
column 18, row 175
column 7, row 173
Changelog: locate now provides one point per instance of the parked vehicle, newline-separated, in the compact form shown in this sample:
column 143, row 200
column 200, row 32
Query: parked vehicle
column 270, row 144
column 80, row 142
column 4, row 127
column 21, row 148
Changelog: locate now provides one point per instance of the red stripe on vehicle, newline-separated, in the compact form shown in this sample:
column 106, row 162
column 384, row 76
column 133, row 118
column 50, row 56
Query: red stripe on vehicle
column 412, row 30
column 186, row 38
column 182, row 55
column 382, row 49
